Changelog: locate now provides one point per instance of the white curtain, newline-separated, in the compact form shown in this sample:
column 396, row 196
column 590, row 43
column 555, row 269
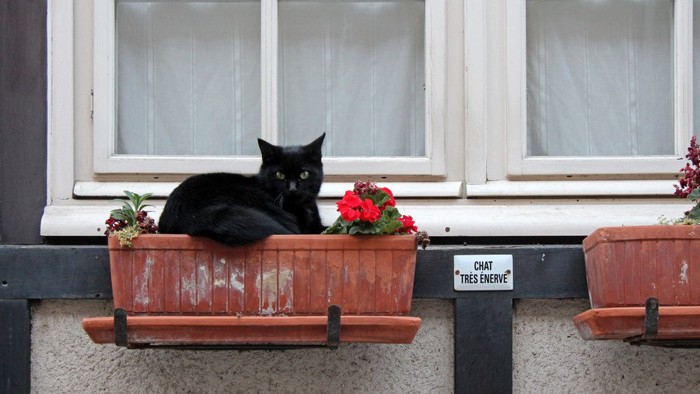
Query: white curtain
column 356, row 71
column 696, row 68
column 599, row 77
column 189, row 77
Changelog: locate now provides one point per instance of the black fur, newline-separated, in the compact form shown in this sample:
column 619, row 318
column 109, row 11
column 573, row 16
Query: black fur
column 238, row 210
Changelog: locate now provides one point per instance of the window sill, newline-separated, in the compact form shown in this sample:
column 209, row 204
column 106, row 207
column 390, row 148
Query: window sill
column 439, row 217
column 572, row 188
column 328, row 189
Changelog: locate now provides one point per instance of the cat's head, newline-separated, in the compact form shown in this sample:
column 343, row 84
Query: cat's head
column 294, row 172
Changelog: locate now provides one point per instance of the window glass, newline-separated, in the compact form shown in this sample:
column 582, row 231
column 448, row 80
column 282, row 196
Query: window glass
column 188, row 78
column 599, row 77
column 696, row 67
column 354, row 69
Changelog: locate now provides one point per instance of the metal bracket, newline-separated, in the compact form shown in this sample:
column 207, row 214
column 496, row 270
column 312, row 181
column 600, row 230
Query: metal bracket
column 651, row 330
column 333, row 331
column 651, row 318
column 120, row 331
column 651, row 324
column 332, row 336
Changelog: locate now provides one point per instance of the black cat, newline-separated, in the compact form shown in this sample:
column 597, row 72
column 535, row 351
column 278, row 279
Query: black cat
column 238, row 210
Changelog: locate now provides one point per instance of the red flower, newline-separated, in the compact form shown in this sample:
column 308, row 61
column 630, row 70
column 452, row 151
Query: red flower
column 369, row 212
column 409, row 226
column 392, row 201
column 348, row 206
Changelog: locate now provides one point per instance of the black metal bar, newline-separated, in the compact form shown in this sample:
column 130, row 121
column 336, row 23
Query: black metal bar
column 121, row 334
column 62, row 272
column 483, row 321
column 651, row 318
column 333, row 330
column 15, row 345
column 484, row 343
column 651, row 330
column 82, row 272
column 541, row 271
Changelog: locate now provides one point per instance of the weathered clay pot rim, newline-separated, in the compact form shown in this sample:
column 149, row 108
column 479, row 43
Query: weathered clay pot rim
column 675, row 322
column 651, row 232
column 212, row 330
column 296, row 241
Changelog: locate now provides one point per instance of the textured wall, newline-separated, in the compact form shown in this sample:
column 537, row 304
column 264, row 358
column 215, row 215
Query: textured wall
column 548, row 357
column 64, row 360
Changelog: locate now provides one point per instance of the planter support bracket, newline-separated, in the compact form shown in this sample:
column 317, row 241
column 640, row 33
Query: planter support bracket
column 651, row 324
column 651, row 330
column 333, row 333
column 120, row 333
column 332, row 336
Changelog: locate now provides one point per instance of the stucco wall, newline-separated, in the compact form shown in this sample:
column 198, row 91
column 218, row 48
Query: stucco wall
column 548, row 357
column 64, row 360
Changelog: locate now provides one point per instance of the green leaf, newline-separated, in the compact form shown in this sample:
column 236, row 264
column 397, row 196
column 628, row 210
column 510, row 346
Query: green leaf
column 391, row 213
column 695, row 194
column 391, row 227
column 117, row 215
column 340, row 226
column 380, row 198
column 363, row 228
column 694, row 213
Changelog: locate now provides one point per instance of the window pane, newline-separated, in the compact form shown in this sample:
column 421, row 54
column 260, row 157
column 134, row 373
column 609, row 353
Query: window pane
column 354, row 69
column 188, row 78
column 696, row 67
column 600, row 77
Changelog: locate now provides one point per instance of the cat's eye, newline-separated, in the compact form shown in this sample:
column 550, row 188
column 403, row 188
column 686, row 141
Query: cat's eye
column 304, row 175
column 280, row 175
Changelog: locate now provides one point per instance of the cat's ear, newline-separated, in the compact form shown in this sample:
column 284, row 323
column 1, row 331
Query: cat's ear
column 269, row 152
column 314, row 148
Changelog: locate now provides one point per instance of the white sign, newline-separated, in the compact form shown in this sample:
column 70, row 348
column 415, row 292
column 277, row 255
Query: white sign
column 483, row 272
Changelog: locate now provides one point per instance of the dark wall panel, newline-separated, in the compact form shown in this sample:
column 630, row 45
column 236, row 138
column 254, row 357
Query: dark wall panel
column 15, row 346
column 22, row 120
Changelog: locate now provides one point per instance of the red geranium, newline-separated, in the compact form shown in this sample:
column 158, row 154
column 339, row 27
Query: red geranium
column 409, row 226
column 371, row 210
column 392, row 201
column 348, row 206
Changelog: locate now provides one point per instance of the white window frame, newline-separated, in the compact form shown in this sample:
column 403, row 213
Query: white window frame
column 520, row 164
column 473, row 110
column 105, row 161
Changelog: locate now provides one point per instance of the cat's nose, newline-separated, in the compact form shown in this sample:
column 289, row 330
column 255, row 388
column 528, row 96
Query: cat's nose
column 292, row 187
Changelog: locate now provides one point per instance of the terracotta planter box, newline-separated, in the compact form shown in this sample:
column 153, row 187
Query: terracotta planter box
column 627, row 265
column 281, row 275
column 182, row 290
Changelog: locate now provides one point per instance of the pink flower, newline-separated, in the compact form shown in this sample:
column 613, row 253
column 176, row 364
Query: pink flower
column 364, row 189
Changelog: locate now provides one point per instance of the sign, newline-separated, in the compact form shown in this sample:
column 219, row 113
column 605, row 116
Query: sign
column 483, row 272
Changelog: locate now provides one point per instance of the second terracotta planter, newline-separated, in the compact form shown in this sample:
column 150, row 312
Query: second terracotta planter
column 627, row 265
